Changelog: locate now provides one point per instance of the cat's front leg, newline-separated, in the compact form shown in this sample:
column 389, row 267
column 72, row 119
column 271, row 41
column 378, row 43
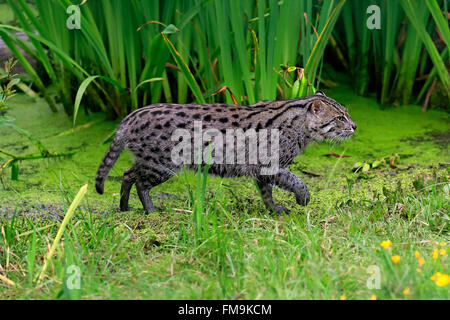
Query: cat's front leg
column 289, row 182
column 266, row 194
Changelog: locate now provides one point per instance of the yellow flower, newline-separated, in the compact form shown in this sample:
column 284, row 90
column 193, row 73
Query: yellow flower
column 421, row 261
column 419, row 270
column 386, row 244
column 435, row 253
column 441, row 279
column 442, row 252
column 406, row 291
column 395, row 259
column 373, row 297
column 343, row 298
column 417, row 254
column 435, row 276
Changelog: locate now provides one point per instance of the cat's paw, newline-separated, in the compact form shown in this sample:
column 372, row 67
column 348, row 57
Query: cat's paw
column 151, row 210
column 278, row 209
column 124, row 207
column 303, row 200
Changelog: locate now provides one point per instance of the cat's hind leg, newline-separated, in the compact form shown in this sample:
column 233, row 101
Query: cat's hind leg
column 129, row 178
column 149, row 177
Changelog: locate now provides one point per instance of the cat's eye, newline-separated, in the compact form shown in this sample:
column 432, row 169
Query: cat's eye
column 342, row 118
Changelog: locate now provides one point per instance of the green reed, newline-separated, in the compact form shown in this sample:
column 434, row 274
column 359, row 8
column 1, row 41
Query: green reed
column 131, row 53
column 394, row 59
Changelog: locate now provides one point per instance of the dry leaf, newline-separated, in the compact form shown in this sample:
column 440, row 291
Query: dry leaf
column 332, row 154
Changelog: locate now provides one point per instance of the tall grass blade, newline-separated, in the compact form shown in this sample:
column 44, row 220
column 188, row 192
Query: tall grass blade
column 410, row 8
column 441, row 22
column 82, row 89
column 319, row 47
column 70, row 212
column 186, row 71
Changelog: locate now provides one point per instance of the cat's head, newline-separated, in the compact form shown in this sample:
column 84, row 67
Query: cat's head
column 327, row 119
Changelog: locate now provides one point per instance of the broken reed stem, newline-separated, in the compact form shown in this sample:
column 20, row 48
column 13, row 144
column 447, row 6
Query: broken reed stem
column 8, row 281
column 428, row 96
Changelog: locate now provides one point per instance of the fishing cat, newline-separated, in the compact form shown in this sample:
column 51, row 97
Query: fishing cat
column 149, row 133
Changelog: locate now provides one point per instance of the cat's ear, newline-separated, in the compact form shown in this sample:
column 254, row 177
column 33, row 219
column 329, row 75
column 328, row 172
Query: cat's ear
column 318, row 108
column 319, row 93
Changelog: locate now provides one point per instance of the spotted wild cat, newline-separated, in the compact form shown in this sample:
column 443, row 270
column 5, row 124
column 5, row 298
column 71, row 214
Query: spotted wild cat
column 149, row 134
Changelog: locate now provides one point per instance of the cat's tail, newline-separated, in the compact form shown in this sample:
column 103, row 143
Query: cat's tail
column 108, row 161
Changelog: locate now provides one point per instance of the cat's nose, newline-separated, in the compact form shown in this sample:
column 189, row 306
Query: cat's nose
column 354, row 126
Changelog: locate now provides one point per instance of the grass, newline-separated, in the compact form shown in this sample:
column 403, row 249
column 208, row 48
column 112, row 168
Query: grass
column 227, row 245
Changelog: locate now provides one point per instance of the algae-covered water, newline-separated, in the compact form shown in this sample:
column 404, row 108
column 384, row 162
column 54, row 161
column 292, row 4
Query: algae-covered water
column 420, row 139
